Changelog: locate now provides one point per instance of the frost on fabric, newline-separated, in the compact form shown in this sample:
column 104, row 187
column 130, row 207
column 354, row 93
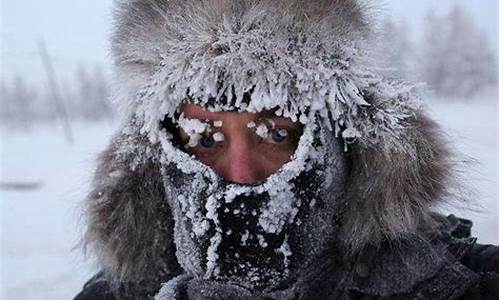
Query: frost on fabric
column 285, row 249
column 170, row 290
column 213, row 256
column 278, row 211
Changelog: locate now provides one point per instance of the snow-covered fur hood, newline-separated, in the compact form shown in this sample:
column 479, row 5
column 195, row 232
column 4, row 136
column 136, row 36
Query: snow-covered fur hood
column 298, row 55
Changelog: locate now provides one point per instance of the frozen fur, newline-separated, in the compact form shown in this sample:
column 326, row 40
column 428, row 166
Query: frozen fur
column 129, row 221
column 400, row 162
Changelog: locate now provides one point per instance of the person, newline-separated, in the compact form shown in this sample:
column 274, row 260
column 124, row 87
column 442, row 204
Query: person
column 261, row 156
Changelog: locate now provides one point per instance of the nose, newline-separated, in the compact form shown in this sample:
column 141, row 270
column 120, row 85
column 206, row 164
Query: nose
column 241, row 164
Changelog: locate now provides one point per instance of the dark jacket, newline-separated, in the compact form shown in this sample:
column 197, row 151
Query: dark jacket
column 470, row 271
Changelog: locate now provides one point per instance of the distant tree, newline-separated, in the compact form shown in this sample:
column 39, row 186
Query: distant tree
column 395, row 52
column 101, row 94
column 84, row 93
column 456, row 59
column 71, row 98
column 92, row 94
column 432, row 60
column 5, row 103
column 21, row 100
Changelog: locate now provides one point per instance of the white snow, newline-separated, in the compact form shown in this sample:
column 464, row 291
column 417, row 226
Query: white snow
column 473, row 128
column 194, row 128
column 244, row 237
column 218, row 137
column 40, row 228
column 262, row 131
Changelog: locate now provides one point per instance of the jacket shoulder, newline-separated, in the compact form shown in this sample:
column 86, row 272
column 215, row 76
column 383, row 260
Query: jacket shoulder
column 97, row 288
column 482, row 259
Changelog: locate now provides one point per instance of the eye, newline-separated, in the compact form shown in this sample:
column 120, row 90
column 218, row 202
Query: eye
column 279, row 136
column 207, row 141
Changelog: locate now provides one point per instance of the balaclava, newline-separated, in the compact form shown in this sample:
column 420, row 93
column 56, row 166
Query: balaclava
column 303, row 60
column 254, row 235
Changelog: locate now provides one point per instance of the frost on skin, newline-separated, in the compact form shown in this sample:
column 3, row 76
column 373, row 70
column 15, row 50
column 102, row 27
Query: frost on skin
column 218, row 137
column 194, row 128
column 262, row 131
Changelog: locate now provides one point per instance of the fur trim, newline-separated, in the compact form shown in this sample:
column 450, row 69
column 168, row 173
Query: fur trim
column 145, row 28
column 130, row 226
column 391, row 194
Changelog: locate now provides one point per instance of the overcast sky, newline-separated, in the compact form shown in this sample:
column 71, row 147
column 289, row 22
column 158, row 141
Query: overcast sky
column 75, row 31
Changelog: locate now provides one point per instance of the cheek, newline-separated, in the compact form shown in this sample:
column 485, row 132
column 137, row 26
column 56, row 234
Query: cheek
column 273, row 158
column 211, row 157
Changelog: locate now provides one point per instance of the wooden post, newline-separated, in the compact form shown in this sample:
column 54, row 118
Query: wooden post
column 55, row 91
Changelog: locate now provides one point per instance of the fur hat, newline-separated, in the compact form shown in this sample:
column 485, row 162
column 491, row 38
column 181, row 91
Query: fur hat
column 284, row 53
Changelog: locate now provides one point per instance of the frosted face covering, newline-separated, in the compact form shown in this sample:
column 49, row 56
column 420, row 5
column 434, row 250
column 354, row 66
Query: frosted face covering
column 256, row 235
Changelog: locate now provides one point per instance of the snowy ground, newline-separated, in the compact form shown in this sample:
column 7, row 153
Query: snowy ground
column 39, row 228
column 472, row 126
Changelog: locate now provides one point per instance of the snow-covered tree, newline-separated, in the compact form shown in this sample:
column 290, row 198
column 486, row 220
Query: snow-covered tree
column 5, row 103
column 20, row 107
column 101, row 94
column 395, row 53
column 92, row 94
column 456, row 59
column 432, row 60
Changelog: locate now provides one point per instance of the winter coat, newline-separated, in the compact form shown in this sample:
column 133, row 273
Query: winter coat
column 292, row 54
column 469, row 272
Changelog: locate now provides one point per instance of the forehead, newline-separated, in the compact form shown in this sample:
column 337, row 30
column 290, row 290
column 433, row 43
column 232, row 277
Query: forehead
column 197, row 112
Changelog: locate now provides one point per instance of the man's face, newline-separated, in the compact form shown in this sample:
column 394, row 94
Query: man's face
column 241, row 147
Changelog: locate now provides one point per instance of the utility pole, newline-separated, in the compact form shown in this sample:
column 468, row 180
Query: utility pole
column 55, row 91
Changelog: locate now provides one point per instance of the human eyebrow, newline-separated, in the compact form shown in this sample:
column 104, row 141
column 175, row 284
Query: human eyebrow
column 269, row 114
column 202, row 116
